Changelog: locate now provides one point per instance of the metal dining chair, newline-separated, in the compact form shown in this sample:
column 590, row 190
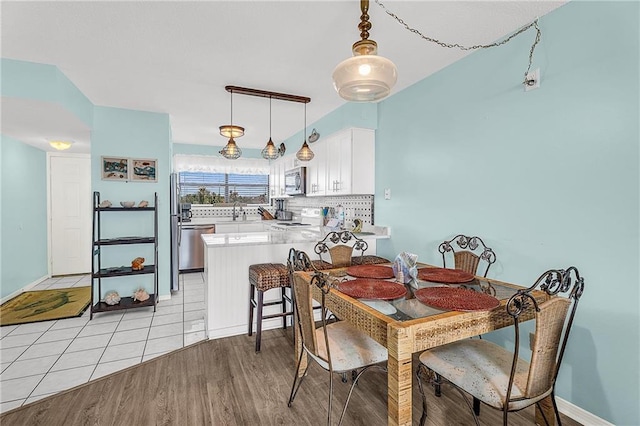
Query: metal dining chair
column 468, row 254
column 340, row 247
column 337, row 347
column 497, row 376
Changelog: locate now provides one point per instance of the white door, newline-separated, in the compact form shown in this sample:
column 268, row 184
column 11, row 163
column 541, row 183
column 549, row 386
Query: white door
column 71, row 209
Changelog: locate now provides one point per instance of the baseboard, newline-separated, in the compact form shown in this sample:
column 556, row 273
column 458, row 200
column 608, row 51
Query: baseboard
column 23, row 289
column 580, row 415
column 164, row 297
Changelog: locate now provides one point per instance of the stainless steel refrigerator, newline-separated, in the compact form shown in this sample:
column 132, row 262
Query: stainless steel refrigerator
column 176, row 231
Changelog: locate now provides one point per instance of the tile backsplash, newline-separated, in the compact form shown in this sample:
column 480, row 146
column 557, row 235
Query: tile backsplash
column 355, row 206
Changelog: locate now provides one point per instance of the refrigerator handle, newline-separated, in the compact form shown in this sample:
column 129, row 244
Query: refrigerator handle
column 179, row 232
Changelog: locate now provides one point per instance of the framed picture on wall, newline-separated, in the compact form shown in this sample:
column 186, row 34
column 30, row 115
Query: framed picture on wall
column 143, row 170
column 115, row 168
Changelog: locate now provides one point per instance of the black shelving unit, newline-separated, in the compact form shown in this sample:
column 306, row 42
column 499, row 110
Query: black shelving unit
column 98, row 273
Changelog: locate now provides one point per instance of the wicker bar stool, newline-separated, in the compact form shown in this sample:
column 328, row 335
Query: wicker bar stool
column 263, row 277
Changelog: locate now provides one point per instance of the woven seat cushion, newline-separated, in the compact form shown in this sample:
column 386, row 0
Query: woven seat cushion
column 266, row 276
column 482, row 369
column 368, row 260
column 350, row 348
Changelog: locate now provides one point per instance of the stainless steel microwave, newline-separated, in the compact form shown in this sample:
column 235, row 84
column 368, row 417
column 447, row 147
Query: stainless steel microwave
column 295, row 181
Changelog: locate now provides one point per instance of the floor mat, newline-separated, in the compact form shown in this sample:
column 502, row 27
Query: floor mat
column 45, row 305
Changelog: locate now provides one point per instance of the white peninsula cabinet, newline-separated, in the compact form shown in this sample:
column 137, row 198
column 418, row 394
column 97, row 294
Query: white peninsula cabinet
column 346, row 164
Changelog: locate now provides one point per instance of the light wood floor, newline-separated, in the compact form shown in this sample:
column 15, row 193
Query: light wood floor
column 224, row 382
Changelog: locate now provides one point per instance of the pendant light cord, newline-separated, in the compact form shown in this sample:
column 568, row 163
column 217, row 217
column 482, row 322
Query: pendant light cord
column 269, row 117
column 533, row 24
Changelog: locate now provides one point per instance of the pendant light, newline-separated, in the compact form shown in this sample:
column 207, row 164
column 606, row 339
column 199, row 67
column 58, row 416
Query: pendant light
column 231, row 151
column 305, row 153
column 270, row 152
column 365, row 77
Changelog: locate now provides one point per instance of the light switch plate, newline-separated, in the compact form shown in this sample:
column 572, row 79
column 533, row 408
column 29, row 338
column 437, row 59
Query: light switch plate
column 387, row 194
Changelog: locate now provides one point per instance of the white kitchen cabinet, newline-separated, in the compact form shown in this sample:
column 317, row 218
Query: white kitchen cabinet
column 317, row 170
column 350, row 158
column 276, row 175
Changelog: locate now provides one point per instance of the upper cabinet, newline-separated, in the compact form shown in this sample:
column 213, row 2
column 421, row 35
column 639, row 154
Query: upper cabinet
column 344, row 163
column 276, row 175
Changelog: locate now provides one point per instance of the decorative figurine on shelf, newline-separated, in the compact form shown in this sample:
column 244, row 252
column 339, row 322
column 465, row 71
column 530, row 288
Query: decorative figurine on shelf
column 143, row 203
column 105, row 204
column 137, row 264
column 112, row 298
column 140, row 295
column 357, row 225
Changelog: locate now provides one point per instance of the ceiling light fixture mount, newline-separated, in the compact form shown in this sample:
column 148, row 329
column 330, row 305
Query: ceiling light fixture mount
column 270, row 152
column 60, row 145
column 365, row 77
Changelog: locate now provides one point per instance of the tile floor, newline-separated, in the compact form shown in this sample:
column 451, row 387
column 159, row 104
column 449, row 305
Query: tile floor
column 40, row 359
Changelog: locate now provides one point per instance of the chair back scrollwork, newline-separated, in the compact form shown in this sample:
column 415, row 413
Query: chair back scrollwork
column 554, row 319
column 468, row 253
column 340, row 247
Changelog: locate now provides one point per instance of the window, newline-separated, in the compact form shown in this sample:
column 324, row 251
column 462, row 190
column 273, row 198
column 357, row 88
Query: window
column 214, row 188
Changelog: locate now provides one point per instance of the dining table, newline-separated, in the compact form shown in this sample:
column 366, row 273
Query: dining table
column 406, row 326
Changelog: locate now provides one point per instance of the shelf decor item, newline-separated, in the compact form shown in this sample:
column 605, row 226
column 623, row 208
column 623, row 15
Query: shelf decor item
column 143, row 170
column 140, row 295
column 112, row 298
column 115, row 168
column 137, row 264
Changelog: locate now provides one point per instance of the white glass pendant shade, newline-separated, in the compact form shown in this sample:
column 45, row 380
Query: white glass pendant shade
column 270, row 152
column 231, row 131
column 305, row 153
column 231, row 151
column 61, row 145
column 364, row 78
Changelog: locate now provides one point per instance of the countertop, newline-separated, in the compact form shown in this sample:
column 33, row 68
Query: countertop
column 270, row 237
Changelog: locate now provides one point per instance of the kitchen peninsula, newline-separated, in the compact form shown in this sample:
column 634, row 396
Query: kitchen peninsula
column 226, row 270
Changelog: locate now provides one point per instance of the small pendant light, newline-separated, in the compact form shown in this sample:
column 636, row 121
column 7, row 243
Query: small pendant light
column 305, row 153
column 270, row 152
column 231, row 151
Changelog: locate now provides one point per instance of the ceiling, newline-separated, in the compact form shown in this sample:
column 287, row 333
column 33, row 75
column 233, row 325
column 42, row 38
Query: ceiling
column 176, row 57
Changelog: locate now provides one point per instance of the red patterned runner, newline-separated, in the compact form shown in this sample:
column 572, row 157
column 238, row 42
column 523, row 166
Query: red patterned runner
column 370, row 271
column 366, row 288
column 444, row 275
column 456, row 299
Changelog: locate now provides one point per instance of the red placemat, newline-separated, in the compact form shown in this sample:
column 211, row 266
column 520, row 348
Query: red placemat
column 456, row 299
column 444, row 275
column 367, row 288
column 370, row 271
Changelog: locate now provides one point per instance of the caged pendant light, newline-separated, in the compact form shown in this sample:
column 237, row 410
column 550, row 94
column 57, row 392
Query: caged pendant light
column 231, row 151
column 305, row 153
column 365, row 77
column 270, row 152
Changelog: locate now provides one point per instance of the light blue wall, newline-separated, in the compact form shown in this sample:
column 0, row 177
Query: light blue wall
column 43, row 82
column 363, row 115
column 548, row 178
column 24, row 215
column 133, row 134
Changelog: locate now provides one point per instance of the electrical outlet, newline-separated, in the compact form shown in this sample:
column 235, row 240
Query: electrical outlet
column 532, row 80
column 387, row 194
